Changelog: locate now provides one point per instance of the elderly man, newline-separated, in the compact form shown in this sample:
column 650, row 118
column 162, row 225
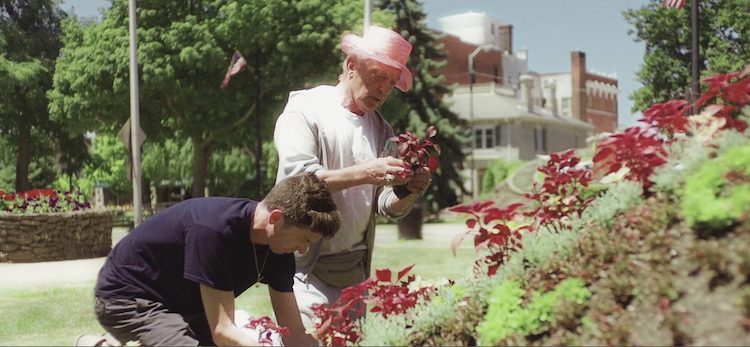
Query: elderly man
column 337, row 133
column 173, row 280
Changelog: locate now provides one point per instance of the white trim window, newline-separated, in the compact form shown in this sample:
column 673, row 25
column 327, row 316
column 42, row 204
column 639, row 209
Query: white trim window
column 484, row 137
column 565, row 104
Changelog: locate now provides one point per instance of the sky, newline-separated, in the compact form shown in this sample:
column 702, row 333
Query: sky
column 549, row 29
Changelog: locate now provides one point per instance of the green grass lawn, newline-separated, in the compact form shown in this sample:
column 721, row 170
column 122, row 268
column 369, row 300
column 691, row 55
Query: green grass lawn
column 55, row 316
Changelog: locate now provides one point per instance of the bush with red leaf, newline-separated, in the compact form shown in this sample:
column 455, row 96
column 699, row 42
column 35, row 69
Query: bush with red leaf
column 493, row 229
column 414, row 152
column 340, row 324
column 559, row 196
column 267, row 328
column 641, row 149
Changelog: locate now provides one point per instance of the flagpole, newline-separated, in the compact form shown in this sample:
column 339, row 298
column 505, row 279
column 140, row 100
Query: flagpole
column 696, row 53
column 134, row 116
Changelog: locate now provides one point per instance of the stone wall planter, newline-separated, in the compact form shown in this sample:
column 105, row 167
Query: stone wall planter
column 36, row 237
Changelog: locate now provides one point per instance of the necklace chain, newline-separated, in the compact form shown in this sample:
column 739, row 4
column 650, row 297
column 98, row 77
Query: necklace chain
column 259, row 271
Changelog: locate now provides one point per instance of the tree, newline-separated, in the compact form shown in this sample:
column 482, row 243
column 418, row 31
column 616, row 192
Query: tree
column 184, row 49
column 30, row 43
column 422, row 105
column 666, row 73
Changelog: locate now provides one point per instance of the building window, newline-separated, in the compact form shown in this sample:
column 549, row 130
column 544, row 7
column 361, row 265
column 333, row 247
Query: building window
column 498, row 135
column 494, row 74
column 492, row 29
column 565, row 103
column 540, row 139
column 484, row 137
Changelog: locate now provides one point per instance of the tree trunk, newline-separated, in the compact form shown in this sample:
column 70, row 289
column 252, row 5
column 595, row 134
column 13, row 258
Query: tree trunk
column 410, row 227
column 23, row 159
column 201, row 155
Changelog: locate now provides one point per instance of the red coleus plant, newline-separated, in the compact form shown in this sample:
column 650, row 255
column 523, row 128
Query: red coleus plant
column 493, row 230
column 414, row 152
column 640, row 149
column 339, row 324
column 558, row 198
column 267, row 328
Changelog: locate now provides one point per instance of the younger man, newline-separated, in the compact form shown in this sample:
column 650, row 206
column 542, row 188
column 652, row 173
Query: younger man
column 173, row 280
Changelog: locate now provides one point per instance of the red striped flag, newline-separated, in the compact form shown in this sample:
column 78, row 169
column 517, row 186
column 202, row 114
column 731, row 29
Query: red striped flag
column 673, row 3
column 238, row 62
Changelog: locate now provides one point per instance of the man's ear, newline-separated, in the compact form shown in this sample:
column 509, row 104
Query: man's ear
column 276, row 217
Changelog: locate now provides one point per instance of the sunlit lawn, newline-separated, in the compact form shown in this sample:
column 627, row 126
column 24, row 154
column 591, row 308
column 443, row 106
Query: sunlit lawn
column 55, row 316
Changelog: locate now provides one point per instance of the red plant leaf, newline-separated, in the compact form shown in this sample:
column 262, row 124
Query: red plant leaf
column 432, row 164
column 404, row 272
column 471, row 223
column 431, row 131
column 461, row 209
column 383, row 275
column 457, row 241
column 437, row 148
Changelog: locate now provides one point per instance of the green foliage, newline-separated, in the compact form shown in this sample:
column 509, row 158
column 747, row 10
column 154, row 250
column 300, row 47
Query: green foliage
column 593, row 190
column 507, row 315
column 422, row 105
column 108, row 165
column 665, row 72
column 29, row 45
column 718, row 195
column 616, row 200
column 184, row 49
column 497, row 172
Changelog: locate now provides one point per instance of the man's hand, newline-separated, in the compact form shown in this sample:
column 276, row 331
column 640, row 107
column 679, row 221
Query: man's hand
column 287, row 315
column 419, row 183
column 386, row 172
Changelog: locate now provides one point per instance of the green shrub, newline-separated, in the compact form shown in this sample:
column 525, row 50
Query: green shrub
column 507, row 315
column 718, row 194
column 497, row 172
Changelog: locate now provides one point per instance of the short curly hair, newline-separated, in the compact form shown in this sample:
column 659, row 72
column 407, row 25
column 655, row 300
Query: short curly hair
column 307, row 203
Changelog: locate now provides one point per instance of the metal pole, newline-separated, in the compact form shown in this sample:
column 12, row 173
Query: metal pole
column 258, row 144
column 471, row 122
column 472, row 75
column 368, row 15
column 135, row 116
column 696, row 53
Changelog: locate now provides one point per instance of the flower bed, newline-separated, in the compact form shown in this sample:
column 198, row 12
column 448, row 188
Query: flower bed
column 657, row 255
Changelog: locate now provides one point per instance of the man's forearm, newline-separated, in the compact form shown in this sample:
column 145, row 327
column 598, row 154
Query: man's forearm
column 399, row 206
column 233, row 336
column 341, row 179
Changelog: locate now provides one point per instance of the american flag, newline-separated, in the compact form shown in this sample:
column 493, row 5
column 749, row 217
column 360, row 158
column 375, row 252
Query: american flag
column 238, row 62
column 673, row 3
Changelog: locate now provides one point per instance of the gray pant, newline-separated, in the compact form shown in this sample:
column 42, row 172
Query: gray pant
column 313, row 291
column 150, row 323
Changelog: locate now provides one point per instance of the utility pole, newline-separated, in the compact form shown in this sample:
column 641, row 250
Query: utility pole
column 368, row 16
column 472, row 76
column 135, row 116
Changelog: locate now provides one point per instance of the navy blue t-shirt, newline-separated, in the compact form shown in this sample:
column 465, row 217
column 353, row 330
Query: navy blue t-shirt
column 197, row 241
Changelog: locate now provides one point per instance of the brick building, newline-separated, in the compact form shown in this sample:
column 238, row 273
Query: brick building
column 514, row 112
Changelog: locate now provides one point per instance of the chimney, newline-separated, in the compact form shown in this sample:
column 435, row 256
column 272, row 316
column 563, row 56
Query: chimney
column 578, row 77
column 527, row 84
column 505, row 33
